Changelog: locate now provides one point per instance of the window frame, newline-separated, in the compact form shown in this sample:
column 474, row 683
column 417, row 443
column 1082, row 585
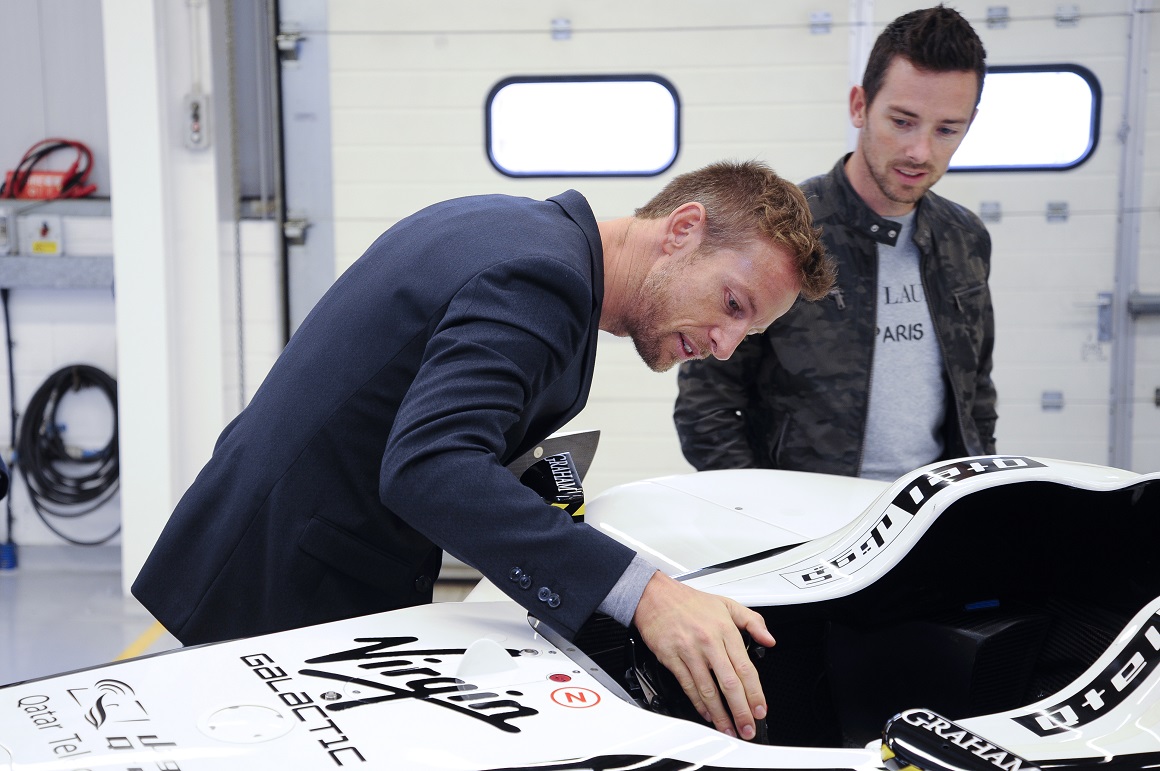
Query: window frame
column 599, row 78
column 1093, row 128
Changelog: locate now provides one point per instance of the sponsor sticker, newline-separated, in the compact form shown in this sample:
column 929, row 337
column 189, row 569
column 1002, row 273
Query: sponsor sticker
column 107, row 700
column 1109, row 688
column 872, row 541
column 114, row 720
column 919, row 491
column 921, row 738
column 557, row 481
column 576, row 698
column 318, row 722
column 868, row 543
column 392, row 669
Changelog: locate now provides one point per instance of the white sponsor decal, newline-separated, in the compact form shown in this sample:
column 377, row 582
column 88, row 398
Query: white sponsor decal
column 964, row 739
column 1110, row 687
column 868, row 543
column 113, row 720
column 577, row 698
column 887, row 527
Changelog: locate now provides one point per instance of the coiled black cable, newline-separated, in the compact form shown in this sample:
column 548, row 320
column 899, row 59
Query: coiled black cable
column 64, row 484
column 8, row 546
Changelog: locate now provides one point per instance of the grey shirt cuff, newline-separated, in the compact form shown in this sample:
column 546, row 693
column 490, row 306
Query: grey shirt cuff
column 621, row 602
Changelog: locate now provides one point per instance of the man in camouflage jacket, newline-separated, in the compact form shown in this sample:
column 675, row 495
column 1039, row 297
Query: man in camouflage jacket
column 798, row 396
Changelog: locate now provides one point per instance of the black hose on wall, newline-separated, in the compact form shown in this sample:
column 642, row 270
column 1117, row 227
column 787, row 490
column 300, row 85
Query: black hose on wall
column 64, row 484
column 8, row 557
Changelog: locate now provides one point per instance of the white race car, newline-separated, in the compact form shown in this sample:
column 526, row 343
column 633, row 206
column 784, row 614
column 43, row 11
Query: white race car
column 996, row 612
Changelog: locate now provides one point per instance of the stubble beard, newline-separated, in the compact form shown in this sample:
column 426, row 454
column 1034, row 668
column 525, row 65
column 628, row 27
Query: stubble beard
column 887, row 185
column 656, row 304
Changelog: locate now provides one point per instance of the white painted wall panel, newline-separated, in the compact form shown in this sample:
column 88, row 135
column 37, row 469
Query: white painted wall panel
column 407, row 93
column 260, row 312
column 633, row 410
column 1052, row 434
column 443, row 15
column 1029, row 20
column 408, row 129
column 54, row 86
column 1146, row 416
column 1046, row 276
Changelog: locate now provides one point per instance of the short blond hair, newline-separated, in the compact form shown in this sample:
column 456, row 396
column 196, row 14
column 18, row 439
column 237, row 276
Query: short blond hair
column 746, row 199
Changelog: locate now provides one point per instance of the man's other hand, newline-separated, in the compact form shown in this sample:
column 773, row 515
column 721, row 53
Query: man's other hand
column 695, row 635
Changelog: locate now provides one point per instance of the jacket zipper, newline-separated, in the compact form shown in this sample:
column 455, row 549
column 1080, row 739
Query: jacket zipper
column 942, row 354
column 869, row 369
column 836, row 293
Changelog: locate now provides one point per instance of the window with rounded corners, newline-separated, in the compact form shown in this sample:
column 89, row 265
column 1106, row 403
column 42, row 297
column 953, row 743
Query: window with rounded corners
column 583, row 126
column 1043, row 117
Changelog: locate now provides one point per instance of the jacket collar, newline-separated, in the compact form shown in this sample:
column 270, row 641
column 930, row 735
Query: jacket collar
column 579, row 211
column 863, row 219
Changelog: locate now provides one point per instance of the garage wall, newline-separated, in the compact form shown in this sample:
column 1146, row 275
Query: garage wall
column 48, row 95
column 407, row 84
column 756, row 80
column 1047, row 275
column 408, row 91
column 407, row 94
column 1146, row 388
column 53, row 53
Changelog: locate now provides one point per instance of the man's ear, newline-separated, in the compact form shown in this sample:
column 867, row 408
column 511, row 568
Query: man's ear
column 685, row 223
column 858, row 107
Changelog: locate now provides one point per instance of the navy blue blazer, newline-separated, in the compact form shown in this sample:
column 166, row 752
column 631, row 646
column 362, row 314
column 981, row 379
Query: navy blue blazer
column 463, row 336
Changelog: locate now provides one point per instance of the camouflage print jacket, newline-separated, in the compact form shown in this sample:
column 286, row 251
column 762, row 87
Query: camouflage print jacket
column 796, row 397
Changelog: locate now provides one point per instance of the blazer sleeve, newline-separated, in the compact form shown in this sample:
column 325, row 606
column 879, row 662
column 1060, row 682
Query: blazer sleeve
column 507, row 334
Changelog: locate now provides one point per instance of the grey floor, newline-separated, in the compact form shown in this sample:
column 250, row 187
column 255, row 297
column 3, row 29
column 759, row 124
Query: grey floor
column 62, row 609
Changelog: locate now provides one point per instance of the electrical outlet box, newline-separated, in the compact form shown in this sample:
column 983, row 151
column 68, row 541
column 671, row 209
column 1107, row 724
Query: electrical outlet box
column 41, row 235
column 195, row 121
column 7, row 232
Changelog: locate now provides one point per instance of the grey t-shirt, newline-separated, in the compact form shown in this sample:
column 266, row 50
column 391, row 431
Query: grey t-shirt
column 907, row 392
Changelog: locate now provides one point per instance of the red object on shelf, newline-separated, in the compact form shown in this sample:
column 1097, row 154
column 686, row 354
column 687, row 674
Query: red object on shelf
column 39, row 184
column 23, row 182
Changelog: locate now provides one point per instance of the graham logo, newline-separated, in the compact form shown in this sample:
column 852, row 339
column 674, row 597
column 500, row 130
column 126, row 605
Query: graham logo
column 869, row 543
column 1139, row 658
column 953, row 743
column 556, row 480
column 577, row 698
column 920, row 490
column 422, row 674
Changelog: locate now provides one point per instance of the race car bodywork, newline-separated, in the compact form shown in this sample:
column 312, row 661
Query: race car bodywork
column 997, row 612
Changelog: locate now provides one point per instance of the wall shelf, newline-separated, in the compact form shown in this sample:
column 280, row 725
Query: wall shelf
column 17, row 272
